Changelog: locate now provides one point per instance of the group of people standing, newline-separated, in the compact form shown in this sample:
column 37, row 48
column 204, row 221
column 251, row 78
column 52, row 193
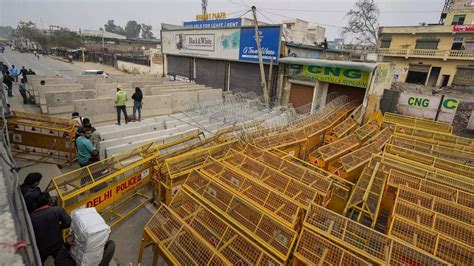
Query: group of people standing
column 121, row 99
column 49, row 221
column 12, row 75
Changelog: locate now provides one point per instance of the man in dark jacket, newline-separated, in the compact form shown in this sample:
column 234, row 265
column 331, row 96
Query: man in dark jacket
column 48, row 223
column 8, row 80
column 30, row 190
column 24, row 73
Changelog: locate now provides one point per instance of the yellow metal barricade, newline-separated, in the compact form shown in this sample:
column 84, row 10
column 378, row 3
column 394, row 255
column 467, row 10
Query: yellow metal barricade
column 345, row 128
column 425, row 172
column 439, row 205
column 293, row 188
column 186, row 232
column 431, row 160
column 42, row 138
column 280, row 206
column 424, row 134
column 417, row 122
column 364, row 241
column 313, row 179
column 438, row 222
column 314, row 249
column 397, row 178
column 450, row 152
column 268, row 232
column 291, row 142
column 333, row 151
column 106, row 184
column 175, row 170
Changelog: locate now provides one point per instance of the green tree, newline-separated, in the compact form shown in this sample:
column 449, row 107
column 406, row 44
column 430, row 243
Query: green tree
column 132, row 29
column 111, row 27
column 146, row 32
column 28, row 30
column 65, row 38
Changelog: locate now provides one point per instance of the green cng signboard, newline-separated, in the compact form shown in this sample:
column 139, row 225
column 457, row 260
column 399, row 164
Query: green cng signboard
column 338, row 75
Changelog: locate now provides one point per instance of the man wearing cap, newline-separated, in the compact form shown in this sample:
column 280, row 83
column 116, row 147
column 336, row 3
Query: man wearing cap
column 120, row 103
column 29, row 190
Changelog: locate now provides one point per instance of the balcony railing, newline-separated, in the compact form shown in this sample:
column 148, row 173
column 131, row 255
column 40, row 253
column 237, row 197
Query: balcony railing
column 442, row 54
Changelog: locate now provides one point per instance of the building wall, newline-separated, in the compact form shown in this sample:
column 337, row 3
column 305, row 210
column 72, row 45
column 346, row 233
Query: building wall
column 447, row 67
column 122, row 46
column 139, row 69
column 468, row 20
column 300, row 31
column 408, row 41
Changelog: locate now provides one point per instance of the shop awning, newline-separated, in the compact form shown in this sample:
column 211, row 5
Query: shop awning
column 328, row 63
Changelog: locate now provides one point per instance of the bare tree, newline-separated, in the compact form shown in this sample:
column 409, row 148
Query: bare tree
column 363, row 22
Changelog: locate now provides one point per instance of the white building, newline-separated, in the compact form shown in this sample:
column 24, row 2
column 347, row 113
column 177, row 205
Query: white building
column 302, row 32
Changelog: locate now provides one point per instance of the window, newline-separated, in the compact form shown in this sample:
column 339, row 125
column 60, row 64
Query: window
column 426, row 44
column 386, row 41
column 458, row 19
column 457, row 43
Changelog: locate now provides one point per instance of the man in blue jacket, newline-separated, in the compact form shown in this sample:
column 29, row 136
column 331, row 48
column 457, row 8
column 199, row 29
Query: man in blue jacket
column 84, row 146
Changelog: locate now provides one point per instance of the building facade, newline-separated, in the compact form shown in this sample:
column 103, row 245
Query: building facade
column 302, row 32
column 434, row 55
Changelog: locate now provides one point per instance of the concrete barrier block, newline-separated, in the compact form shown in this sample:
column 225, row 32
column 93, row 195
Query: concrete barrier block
column 63, row 101
column 106, row 90
column 185, row 101
column 210, row 97
column 53, row 88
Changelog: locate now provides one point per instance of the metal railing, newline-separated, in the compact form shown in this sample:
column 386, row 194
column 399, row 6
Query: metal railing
column 445, row 54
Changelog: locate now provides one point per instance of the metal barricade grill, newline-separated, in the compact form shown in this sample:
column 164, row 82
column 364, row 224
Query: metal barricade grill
column 425, row 172
column 434, row 243
column 179, row 243
column 433, row 203
column 336, row 149
column 450, row 227
column 313, row 179
column 313, row 248
column 282, row 207
column 344, row 128
column 364, row 203
column 293, row 188
column 397, row 178
column 453, row 153
column 377, row 247
column 42, row 138
column 270, row 233
column 227, row 240
column 431, row 160
column 416, row 133
column 417, row 122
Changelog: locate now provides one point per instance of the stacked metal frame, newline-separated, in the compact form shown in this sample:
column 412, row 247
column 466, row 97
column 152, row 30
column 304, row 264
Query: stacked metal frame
column 431, row 160
column 364, row 241
column 293, row 188
column 260, row 226
column 280, row 206
column 397, row 178
column 417, row 122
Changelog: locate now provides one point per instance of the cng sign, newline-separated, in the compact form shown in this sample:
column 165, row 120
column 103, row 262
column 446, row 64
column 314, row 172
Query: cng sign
column 419, row 102
column 450, row 105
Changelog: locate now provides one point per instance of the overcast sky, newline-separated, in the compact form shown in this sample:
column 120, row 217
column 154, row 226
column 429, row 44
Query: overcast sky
column 93, row 14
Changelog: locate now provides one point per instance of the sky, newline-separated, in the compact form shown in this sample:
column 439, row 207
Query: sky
column 93, row 14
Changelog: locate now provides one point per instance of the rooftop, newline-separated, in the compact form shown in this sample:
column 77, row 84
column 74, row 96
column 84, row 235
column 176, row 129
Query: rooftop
column 105, row 34
column 436, row 28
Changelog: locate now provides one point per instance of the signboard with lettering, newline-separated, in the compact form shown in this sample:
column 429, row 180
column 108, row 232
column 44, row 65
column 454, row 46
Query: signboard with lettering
column 463, row 28
column 109, row 194
column 269, row 43
column 235, row 44
column 427, row 106
column 215, row 15
column 213, row 43
column 216, row 23
column 344, row 76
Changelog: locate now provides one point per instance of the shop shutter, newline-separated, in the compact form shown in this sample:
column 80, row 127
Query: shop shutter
column 180, row 65
column 211, row 73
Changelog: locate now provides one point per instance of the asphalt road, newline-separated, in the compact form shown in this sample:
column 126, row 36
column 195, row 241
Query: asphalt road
column 44, row 66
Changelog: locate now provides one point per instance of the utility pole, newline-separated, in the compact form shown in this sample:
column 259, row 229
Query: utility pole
column 266, row 96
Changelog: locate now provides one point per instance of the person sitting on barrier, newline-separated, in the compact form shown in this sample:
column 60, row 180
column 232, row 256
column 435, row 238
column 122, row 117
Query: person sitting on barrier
column 48, row 223
column 30, row 190
column 96, row 138
column 84, row 146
